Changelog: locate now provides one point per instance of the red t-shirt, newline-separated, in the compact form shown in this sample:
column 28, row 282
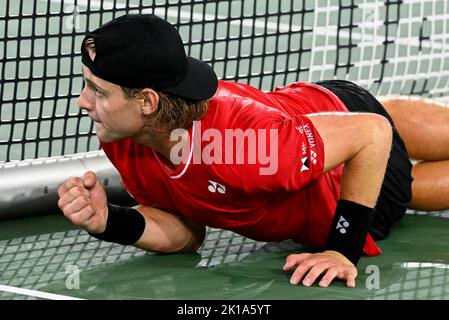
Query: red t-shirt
column 269, row 188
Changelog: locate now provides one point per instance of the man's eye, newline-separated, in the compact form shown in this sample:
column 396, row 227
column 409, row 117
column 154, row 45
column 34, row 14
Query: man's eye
column 96, row 91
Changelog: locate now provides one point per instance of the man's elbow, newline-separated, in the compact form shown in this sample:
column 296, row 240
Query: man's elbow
column 195, row 241
column 380, row 132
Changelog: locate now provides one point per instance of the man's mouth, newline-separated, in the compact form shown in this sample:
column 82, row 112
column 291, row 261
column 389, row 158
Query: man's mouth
column 93, row 119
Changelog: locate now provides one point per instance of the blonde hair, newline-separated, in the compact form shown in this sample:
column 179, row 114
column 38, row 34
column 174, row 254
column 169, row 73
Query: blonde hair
column 172, row 112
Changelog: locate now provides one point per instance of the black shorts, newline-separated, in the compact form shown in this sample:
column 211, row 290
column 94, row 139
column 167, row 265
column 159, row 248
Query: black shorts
column 396, row 191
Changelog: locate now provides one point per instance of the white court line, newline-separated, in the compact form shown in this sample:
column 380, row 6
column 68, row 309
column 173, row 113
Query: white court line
column 37, row 294
column 415, row 265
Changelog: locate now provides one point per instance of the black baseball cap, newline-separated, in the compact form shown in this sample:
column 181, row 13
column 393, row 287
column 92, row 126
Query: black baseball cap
column 145, row 51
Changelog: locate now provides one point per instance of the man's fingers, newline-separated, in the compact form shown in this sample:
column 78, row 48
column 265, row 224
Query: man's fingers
column 329, row 277
column 83, row 217
column 69, row 184
column 72, row 182
column 314, row 273
column 71, row 195
column 350, row 278
column 350, row 283
column 89, row 179
column 312, row 266
column 295, row 259
column 83, row 202
column 299, row 273
column 76, row 192
column 76, row 205
column 347, row 274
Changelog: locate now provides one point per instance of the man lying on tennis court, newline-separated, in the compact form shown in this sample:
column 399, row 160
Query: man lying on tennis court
column 322, row 164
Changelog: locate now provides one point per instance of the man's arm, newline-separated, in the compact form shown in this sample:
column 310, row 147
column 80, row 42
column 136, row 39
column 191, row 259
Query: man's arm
column 169, row 233
column 362, row 141
column 83, row 201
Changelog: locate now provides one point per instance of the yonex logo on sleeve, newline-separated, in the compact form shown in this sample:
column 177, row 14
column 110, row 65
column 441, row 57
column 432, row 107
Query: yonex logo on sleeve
column 313, row 156
column 308, row 133
column 342, row 225
column 305, row 164
column 216, row 187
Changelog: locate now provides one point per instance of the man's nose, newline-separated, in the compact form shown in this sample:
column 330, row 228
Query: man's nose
column 85, row 101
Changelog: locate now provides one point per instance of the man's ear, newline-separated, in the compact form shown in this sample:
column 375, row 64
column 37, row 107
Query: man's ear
column 150, row 101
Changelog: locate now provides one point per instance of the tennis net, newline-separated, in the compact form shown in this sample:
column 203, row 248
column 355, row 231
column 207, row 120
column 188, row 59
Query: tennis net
column 393, row 47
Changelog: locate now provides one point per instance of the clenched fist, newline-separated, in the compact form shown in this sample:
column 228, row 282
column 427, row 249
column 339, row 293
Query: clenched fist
column 84, row 202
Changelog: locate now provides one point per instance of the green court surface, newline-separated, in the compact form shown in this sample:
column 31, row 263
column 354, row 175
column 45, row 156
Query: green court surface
column 46, row 254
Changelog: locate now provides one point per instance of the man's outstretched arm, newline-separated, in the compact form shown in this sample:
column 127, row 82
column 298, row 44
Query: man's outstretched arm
column 362, row 141
column 83, row 201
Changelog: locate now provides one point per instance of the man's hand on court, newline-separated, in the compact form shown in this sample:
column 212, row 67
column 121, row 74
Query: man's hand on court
column 312, row 265
column 83, row 201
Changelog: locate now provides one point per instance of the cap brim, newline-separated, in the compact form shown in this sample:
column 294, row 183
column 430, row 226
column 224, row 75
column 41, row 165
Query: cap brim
column 200, row 82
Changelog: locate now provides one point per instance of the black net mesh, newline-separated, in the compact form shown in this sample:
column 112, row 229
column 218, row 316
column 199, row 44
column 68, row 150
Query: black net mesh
column 388, row 47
